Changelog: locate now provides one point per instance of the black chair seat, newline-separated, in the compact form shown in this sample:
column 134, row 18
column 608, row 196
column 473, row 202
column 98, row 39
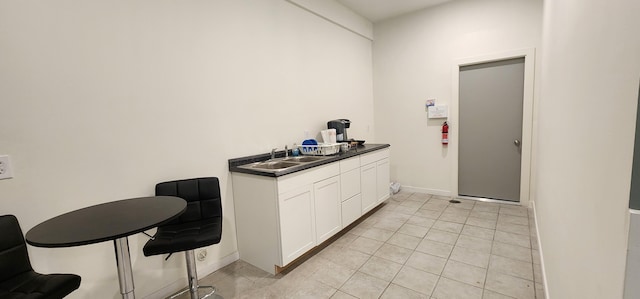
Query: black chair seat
column 184, row 236
column 32, row 285
column 17, row 278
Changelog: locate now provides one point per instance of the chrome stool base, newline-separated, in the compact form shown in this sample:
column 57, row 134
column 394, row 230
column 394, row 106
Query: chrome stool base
column 193, row 281
column 196, row 294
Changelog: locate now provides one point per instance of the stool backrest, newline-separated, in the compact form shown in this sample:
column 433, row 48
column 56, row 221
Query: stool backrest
column 14, row 259
column 202, row 196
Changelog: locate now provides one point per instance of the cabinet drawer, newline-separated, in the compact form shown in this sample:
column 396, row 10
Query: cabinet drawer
column 374, row 156
column 309, row 176
column 351, row 210
column 350, row 183
column 349, row 164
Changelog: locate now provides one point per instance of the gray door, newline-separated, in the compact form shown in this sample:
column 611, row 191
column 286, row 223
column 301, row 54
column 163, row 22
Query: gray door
column 490, row 105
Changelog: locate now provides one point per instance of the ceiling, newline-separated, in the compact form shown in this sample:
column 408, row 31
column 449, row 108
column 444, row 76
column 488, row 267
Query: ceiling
column 378, row 10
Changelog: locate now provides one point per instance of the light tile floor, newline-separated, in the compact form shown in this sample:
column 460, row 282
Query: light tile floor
column 415, row 246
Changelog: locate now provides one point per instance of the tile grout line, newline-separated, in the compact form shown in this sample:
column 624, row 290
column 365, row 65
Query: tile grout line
column 413, row 251
column 450, row 253
column 371, row 256
column 407, row 212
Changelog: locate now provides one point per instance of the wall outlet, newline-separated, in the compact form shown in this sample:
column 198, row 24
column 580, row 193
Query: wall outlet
column 5, row 168
column 202, row 255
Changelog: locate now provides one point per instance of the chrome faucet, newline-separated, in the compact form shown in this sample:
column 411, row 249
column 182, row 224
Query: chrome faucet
column 273, row 152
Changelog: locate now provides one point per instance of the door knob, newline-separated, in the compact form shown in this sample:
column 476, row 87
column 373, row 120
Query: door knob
column 516, row 142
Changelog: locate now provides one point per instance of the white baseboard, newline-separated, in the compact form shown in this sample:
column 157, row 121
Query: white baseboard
column 426, row 190
column 632, row 268
column 203, row 271
column 206, row 270
column 544, row 272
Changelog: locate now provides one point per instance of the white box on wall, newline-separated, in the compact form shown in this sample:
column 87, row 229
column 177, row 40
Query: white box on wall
column 438, row 111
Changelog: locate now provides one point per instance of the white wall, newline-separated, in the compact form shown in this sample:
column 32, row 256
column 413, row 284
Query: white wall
column 100, row 100
column 590, row 75
column 413, row 58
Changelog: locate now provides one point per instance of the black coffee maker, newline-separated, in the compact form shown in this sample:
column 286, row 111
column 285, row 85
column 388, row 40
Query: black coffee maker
column 341, row 126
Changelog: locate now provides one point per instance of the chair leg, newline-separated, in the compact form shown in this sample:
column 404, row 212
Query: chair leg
column 192, row 275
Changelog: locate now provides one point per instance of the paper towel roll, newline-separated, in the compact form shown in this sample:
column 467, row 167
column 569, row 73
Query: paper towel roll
column 328, row 136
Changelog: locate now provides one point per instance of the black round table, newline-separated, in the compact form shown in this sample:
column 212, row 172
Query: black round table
column 108, row 221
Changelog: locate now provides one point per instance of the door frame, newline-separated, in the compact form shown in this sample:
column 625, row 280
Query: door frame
column 527, row 116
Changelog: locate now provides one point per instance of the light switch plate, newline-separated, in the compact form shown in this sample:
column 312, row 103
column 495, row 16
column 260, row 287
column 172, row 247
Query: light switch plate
column 5, row 168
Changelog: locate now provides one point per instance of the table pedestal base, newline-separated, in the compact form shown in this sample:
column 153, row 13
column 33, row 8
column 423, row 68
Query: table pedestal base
column 125, row 273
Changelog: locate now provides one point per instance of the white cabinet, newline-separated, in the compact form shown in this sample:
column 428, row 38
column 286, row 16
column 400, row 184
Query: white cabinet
column 351, row 210
column 278, row 219
column 368, row 187
column 315, row 209
column 382, row 179
column 350, row 177
column 297, row 216
column 328, row 210
column 374, row 178
column 350, row 190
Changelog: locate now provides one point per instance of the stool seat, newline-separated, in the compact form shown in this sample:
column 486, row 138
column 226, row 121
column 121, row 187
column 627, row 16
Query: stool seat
column 18, row 280
column 32, row 285
column 184, row 236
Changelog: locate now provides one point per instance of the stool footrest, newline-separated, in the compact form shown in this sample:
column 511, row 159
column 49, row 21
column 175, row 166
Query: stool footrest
column 209, row 294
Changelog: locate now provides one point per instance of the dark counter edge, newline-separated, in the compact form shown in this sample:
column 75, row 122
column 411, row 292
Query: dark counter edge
column 234, row 163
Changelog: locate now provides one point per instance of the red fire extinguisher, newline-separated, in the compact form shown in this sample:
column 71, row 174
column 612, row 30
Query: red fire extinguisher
column 445, row 133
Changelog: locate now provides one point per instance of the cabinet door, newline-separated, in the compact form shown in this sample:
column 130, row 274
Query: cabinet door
column 351, row 210
column 382, row 174
column 328, row 208
column 368, row 189
column 297, row 223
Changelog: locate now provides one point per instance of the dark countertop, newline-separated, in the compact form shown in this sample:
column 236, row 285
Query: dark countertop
column 234, row 163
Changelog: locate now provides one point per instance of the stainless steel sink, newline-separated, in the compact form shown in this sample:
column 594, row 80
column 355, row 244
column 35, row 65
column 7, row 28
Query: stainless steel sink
column 281, row 164
column 305, row 158
column 274, row 165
